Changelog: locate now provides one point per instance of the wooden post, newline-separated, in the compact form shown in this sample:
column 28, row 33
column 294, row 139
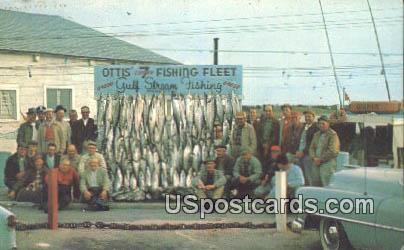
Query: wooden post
column 53, row 200
column 281, row 186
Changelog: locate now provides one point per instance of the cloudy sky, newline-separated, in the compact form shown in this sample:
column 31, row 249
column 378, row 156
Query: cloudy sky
column 281, row 44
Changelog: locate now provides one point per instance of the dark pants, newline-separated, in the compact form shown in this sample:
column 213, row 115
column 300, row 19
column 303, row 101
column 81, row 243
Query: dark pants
column 243, row 189
column 64, row 196
column 96, row 203
column 10, row 183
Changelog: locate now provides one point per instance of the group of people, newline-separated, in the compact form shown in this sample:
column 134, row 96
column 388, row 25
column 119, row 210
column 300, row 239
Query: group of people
column 46, row 141
column 258, row 147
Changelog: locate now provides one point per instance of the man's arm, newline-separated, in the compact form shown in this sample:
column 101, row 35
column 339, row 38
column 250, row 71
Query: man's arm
column 105, row 183
column 221, row 181
column 257, row 171
column 313, row 146
column 236, row 170
column 253, row 139
column 83, row 186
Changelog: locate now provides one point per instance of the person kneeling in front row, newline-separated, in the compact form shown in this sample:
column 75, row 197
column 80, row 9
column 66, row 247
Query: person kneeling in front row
column 94, row 185
column 294, row 176
column 210, row 182
column 67, row 179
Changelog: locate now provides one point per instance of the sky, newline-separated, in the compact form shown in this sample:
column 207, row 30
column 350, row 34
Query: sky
column 281, row 45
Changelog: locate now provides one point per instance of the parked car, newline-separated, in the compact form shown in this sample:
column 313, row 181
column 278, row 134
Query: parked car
column 7, row 229
column 382, row 229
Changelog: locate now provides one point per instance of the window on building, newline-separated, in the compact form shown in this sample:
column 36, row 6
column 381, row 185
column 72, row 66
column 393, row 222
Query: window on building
column 8, row 104
column 56, row 96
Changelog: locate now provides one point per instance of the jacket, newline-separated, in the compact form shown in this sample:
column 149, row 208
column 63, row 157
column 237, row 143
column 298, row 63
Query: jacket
column 81, row 133
column 271, row 137
column 255, row 169
column 12, row 169
column 291, row 139
column 42, row 145
column 218, row 178
column 248, row 138
column 24, row 134
column 57, row 161
column 309, row 136
column 102, row 179
column 330, row 147
column 225, row 165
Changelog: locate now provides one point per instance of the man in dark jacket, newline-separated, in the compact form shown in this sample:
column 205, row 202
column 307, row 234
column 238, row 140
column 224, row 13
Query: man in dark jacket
column 308, row 131
column 16, row 165
column 40, row 111
column 27, row 131
column 51, row 159
column 84, row 130
column 268, row 134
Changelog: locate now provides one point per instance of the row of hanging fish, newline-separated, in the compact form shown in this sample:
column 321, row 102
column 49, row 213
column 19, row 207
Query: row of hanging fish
column 152, row 142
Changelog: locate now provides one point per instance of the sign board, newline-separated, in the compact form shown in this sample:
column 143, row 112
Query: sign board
column 178, row 79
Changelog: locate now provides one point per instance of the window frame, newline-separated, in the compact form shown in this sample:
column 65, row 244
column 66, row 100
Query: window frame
column 13, row 87
column 45, row 93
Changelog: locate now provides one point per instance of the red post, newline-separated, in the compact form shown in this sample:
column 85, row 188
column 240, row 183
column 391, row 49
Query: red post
column 53, row 200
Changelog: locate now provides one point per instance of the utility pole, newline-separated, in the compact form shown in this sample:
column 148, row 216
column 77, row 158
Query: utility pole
column 215, row 50
column 380, row 52
column 331, row 55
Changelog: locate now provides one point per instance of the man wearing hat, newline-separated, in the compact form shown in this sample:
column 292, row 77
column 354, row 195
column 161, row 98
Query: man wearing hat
column 28, row 131
column 64, row 125
column 40, row 111
column 268, row 132
column 91, row 153
column 224, row 163
column 242, row 135
column 50, row 132
column 84, row 130
column 323, row 151
column 209, row 183
column 308, row 131
column 247, row 172
column 269, row 168
column 16, row 166
column 291, row 137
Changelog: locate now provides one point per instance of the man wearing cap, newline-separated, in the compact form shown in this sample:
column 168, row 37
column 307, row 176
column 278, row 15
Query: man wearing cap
column 308, row 131
column 40, row 111
column 65, row 126
column 50, row 132
column 224, row 163
column 16, row 166
column 91, row 153
column 291, row 136
column 269, row 168
column 294, row 176
column 84, row 129
column 28, row 131
column 247, row 172
column 268, row 132
column 242, row 135
column 284, row 121
column 324, row 150
column 209, row 183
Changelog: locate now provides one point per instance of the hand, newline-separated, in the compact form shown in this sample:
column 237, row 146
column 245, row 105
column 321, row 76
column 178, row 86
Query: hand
column 210, row 187
column 243, row 179
column 299, row 154
column 11, row 195
column 317, row 161
column 104, row 195
column 20, row 175
column 87, row 195
column 201, row 186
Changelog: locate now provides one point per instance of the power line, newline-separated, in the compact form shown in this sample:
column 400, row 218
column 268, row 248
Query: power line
column 302, row 26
